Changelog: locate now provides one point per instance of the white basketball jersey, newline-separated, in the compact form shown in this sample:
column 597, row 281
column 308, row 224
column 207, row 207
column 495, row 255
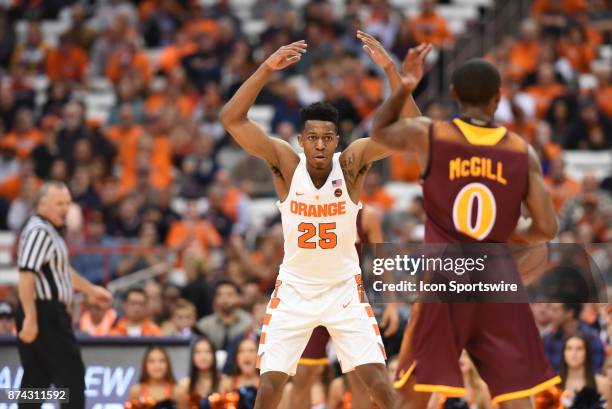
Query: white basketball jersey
column 320, row 229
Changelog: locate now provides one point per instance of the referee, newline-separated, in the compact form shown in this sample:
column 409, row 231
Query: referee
column 47, row 347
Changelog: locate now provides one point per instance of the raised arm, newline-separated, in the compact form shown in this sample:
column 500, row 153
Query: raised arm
column 394, row 132
column 233, row 116
column 542, row 226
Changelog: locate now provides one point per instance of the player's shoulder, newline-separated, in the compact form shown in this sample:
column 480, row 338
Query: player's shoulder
column 515, row 142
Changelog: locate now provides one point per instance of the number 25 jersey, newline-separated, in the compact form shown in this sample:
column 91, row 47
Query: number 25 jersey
column 475, row 183
column 320, row 230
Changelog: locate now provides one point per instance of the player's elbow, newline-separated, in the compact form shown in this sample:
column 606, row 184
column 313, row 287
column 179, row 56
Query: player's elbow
column 224, row 116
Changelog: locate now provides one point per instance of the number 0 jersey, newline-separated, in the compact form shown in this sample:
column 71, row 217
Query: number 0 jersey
column 475, row 183
column 320, row 230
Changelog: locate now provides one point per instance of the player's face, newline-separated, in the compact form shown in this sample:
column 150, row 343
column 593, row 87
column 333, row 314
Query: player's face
column 202, row 356
column 157, row 367
column 319, row 140
column 574, row 353
column 247, row 357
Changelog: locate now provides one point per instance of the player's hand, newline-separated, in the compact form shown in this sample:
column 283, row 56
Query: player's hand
column 414, row 66
column 100, row 295
column 29, row 331
column 375, row 50
column 286, row 55
column 390, row 319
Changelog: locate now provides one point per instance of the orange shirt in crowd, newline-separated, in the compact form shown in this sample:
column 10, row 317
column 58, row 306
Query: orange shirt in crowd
column 156, row 103
column 139, row 61
column 569, row 6
column 69, row 65
column 379, row 198
column 429, row 28
column 202, row 26
column 603, row 96
column 148, row 329
column 524, row 56
column 126, row 141
column 525, row 129
column 160, row 169
column 101, row 329
column 23, row 143
column 203, row 232
column 579, row 55
column 365, row 94
column 544, row 95
column 563, row 191
column 405, row 167
column 172, row 55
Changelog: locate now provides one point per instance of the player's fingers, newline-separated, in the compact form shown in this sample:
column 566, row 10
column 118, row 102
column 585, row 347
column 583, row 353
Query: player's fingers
column 426, row 49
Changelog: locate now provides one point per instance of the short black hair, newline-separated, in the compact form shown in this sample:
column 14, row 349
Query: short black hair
column 226, row 281
column 476, row 81
column 574, row 307
column 319, row 111
column 134, row 290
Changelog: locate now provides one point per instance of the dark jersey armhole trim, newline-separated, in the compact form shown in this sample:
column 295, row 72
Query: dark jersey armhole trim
column 430, row 137
column 27, row 270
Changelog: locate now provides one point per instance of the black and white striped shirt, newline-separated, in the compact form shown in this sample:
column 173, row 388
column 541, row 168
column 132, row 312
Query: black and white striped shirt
column 43, row 251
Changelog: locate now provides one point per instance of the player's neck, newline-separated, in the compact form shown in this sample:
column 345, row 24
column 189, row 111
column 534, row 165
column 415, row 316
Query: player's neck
column 318, row 176
column 476, row 116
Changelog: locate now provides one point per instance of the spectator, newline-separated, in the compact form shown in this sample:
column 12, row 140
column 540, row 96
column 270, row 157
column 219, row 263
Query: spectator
column 429, row 27
column 8, row 106
column 201, row 387
column 125, row 135
column 383, row 23
column 173, row 53
column 127, row 223
column 542, row 316
column 197, row 290
column 144, row 255
column 199, row 168
column 58, row 95
column 603, row 92
column 156, row 383
column 577, row 372
column 545, row 90
column 562, row 187
column 135, row 322
column 562, row 118
column 592, row 130
column 566, row 322
column 242, row 386
column 67, row 62
column 25, row 136
column 98, row 319
column 32, row 53
column 216, row 213
column 7, row 319
column 575, row 47
column 161, row 24
column 7, row 39
column 155, row 300
column 228, row 321
column 183, row 320
column 127, row 60
column 96, row 260
column 258, row 311
column 192, row 231
column 607, row 379
column 22, row 207
column 79, row 32
column 203, row 65
column 46, row 152
column 374, row 192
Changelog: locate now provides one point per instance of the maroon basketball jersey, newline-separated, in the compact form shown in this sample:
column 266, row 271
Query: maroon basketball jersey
column 475, row 183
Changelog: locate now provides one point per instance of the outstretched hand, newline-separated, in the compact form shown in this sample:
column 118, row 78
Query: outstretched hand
column 413, row 66
column 374, row 49
column 286, row 55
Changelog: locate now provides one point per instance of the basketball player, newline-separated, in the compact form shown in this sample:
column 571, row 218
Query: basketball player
column 368, row 231
column 502, row 339
column 319, row 281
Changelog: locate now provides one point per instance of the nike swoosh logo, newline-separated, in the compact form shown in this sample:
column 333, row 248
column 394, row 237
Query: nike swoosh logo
column 299, row 194
column 346, row 305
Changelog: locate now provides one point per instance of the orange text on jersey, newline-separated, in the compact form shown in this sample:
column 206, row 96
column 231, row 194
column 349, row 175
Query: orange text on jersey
column 477, row 167
column 318, row 210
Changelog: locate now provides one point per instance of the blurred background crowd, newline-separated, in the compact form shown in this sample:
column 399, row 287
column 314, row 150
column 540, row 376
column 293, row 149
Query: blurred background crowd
column 120, row 99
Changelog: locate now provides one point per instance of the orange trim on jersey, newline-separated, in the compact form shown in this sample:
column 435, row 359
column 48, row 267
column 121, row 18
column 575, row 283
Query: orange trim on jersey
column 358, row 278
column 262, row 338
column 449, row 391
column 404, row 377
column 526, row 392
column 478, row 135
column 376, row 329
column 267, row 319
column 369, row 311
column 274, row 303
column 313, row 362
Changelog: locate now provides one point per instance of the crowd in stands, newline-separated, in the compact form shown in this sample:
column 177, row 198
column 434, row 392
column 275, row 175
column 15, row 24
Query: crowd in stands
column 158, row 182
